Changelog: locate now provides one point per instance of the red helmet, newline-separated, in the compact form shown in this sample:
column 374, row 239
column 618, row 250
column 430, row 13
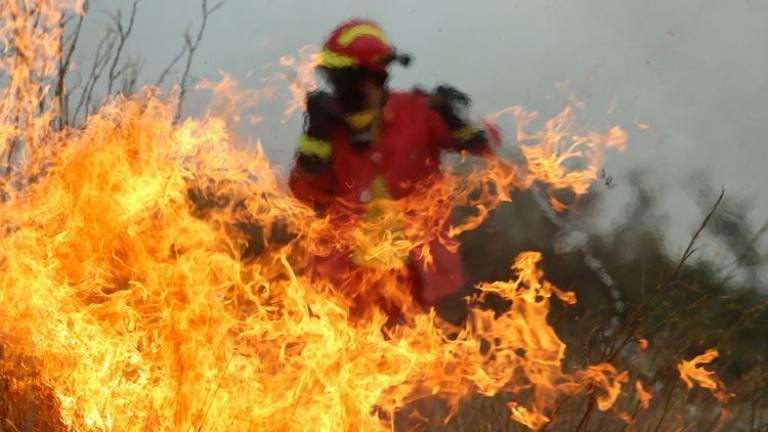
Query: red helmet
column 359, row 43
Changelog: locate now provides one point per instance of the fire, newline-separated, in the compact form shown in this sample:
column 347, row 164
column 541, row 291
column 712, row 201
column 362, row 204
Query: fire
column 561, row 156
column 302, row 78
column 642, row 342
column 29, row 37
column 643, row 395
column 154, row 277
column 229, row 100
column 693, row 373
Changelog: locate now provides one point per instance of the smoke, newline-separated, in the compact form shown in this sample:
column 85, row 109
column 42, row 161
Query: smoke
column 690, row 73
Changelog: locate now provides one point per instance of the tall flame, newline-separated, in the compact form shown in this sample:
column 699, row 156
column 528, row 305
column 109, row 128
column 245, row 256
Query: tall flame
column 643, row 395
column 154, row 277
column 693, row 373
column 302, row 77
column 561, row 155
column 30, row 34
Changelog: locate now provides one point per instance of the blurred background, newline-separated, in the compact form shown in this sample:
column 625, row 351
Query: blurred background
column 668, row 249
column 691, row 73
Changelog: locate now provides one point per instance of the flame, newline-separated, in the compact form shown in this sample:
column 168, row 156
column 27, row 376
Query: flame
column 229, row 100
column 155, row 277
column 642, row 126
column 29, row 36
column 643, row 395
column 302, row 77
column 560, row 155
column 642, row 342
column 693, row 373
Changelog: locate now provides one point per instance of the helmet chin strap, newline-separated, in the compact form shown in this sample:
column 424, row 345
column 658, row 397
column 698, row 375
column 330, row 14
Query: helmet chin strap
column 362, row 127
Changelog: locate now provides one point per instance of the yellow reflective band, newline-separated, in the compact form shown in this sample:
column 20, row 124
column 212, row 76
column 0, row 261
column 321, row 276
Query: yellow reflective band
column 465, row 132
column 379, row 188
column 355, row 32
column 333, row 60
column 360, row 120
column 314, row 147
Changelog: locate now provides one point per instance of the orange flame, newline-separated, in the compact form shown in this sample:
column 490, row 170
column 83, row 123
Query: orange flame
column 29, row 36
column 643, row 395
column 643, row 342
column 156, row 279
column 560, row 155
column 302, row 78
column 229, row 101
column 693, row 373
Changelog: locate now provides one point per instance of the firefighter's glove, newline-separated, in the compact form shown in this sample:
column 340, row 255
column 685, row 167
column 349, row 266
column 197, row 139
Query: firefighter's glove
column 322, row 115
column 452, row 104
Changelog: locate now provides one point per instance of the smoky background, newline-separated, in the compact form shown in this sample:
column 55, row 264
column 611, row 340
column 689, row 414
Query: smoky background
column 685, row 79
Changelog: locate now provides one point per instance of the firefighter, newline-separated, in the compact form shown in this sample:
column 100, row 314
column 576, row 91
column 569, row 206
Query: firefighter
column 364, row 144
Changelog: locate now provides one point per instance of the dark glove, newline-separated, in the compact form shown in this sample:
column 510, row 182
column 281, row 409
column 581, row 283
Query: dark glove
column 322, row 115
column 452, row 104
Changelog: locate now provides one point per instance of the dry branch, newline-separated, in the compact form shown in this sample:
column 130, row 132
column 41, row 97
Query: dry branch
column 62, row 92
column 122, row 35
column 191, row 47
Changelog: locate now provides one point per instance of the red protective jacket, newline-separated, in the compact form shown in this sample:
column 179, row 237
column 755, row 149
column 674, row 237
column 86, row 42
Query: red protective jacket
column 416, row 127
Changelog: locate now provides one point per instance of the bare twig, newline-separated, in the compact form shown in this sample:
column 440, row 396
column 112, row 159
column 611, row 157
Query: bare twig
column 630, row 325
column 10, row 424
column 212, row 394
column 122, row 35
column 100, row 62
column 132, row 77
column 666, row 410
column 96, row 76
column 584, row 422
column 715, row 422
column 738, row 263
column 9, row 157
column 171, row 65
column 64, row 64
column 191, row 48
column 22, row 114
column 726, row 333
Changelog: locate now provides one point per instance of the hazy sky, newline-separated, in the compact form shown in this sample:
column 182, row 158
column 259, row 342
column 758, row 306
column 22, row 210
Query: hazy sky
column 696, row 71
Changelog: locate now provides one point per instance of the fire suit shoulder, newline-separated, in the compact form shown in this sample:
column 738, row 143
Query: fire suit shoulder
column 418, row 94
column 412, row 99
column 319, row 100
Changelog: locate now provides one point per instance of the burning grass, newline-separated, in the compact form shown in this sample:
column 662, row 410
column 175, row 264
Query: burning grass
column 153, row 277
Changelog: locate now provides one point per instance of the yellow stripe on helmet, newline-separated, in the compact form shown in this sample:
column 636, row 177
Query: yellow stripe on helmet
column 357, row 31
column 332, row 60
column 309, row 146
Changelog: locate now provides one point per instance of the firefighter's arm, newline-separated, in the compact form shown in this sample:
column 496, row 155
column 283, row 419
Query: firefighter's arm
column 453, row 128
column 311, row 178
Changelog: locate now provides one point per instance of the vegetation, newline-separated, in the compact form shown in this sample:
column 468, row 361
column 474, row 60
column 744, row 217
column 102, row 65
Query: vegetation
column 631, row 291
